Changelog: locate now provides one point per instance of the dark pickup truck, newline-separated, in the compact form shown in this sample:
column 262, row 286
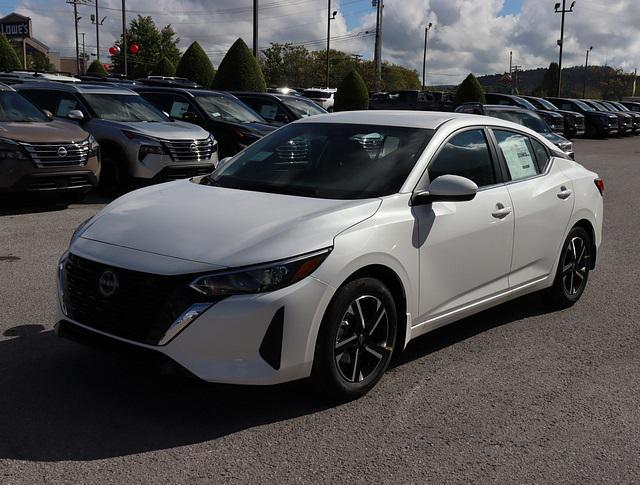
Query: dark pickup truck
column 412, row 100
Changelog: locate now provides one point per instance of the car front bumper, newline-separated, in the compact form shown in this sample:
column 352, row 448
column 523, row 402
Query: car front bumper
column 258, row 339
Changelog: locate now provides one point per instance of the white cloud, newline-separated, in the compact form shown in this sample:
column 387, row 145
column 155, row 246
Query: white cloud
column 468, row 35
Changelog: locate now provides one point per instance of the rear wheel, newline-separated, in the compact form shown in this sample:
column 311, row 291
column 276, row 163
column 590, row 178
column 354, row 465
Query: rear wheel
column 356, row 339
column 573, row 268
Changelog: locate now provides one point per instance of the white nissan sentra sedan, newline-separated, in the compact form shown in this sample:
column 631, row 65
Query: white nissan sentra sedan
column 325, row 247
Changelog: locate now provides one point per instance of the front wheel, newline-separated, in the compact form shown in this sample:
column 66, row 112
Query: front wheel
column 573, row 268
column 356, row 339
column 114, row 179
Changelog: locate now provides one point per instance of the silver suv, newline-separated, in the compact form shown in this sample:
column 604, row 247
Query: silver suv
column 138, row 142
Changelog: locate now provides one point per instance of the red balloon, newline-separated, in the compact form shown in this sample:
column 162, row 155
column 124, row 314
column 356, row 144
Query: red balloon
column 134, row 48
column 106, row 66
column 113, row 50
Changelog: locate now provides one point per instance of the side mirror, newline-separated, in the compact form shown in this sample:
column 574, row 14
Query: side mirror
column 446, row 188
column 48, row 113
column 75, row 114
column 190, row 117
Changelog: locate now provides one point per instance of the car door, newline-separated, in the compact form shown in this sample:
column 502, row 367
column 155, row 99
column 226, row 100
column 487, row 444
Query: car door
column 464, row 247
column 542, row 198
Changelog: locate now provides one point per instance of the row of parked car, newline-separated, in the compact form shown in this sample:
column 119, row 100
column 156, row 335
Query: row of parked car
column 68, row 137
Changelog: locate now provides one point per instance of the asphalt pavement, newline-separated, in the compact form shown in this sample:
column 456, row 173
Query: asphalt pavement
column 516, row 394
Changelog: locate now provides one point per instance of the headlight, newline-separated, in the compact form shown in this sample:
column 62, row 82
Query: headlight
column 11, row 150
column 259, row 279
column 94, row 147
column 79, row 230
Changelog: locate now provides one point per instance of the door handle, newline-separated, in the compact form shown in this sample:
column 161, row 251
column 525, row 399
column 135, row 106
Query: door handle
column 564, row 193
column 501, row 211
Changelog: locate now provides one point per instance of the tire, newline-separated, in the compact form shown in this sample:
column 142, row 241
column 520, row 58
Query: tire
column 573, row 269
column 114, row 179
column 356, row 340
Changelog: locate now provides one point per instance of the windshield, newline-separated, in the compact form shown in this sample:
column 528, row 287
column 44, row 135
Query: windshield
column 123, row 107
column 544, row 104
column 609, row 106
column 226, row 108
column 584, row 105
column 15, row 108
column 598, row 106
column 530, row 120
column 327, row 160
column 314, row 93
column 525, row 103
column 302, row 107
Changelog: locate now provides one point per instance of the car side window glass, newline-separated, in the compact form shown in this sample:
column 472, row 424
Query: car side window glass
column 542, row 155
column 159, row 100
column 42, row 99
column 180, row 106
column 467, row 155
column 518, row 153
column 65, row 103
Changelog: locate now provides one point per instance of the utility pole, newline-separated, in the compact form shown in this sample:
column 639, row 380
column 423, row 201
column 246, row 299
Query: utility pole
column 329, row 19
column 124, row 38
column 635, row 80
column 515, row 80
column 511, row 69
column 379, row 4
column 75, row 21
column 97, row 33
column 586, row 65
column 84, row 55
column 255, row 28
column 424, row 55
column 561, row 41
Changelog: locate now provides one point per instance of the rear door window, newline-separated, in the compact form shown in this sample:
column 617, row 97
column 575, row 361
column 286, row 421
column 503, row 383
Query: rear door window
column 518, row 153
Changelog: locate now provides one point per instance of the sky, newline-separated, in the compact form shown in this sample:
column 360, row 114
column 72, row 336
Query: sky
column 467, row 35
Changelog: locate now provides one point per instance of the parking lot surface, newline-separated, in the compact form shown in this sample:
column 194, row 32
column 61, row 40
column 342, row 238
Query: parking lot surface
column 517, row 394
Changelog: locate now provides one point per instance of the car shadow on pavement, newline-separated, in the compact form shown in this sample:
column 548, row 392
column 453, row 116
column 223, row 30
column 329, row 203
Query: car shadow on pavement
column 63, row 401
column 38, row 203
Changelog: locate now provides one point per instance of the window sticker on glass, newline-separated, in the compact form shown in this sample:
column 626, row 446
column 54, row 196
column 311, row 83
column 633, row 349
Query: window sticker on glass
column 178, row 109
column 66, row 105
column 268, row 111
column 519, row 156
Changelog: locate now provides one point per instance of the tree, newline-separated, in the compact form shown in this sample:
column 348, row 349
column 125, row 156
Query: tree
column 550, row 79
column 164, row 68
column 154, row 44
column 97, row 68
column 469, row 91
column 239, row 71
column 286, row 65
column 352, row 94
column 196, row 65
column 8, row 58
column 39, row 61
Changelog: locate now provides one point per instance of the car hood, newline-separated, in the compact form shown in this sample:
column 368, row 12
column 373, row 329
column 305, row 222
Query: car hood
column 556, row 139
column 224, row 227
column 43, row 132
column 259, row 128
column 574, row 114
column 552, row 114
column 165, row 130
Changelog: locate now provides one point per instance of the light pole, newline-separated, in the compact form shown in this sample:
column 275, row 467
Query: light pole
column 424, row 55
column 124, row 38
column 330, row 17
column 379, row 4
column 84, row 55
column 561, row 41
column 586, row 65
column 255, row 28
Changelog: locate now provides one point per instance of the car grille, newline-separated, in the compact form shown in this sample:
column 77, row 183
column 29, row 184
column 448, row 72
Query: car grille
column 141, row 309
column 58, row 154
column 191, row 150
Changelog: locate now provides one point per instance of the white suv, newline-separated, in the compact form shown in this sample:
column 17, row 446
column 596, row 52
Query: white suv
column 325, row 97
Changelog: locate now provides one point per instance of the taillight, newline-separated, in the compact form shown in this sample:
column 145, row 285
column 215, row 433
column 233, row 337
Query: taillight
column 600, row 184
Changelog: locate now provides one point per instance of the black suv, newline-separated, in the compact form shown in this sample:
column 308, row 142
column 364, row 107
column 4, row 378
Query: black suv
column 521, row 116
column 554, row 119
column 619, row 108
column 233, row 124
column 280, row 109
column 597, row 124
column 625, row 121
column 631, row 105
column 574, row 124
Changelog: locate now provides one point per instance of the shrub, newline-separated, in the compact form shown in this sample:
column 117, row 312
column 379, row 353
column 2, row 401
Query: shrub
column 239, row 71
column 352, row 93
column 164, row 68
column 97, row 68
column 8, row 57
column 469, row 91
column 196, row 65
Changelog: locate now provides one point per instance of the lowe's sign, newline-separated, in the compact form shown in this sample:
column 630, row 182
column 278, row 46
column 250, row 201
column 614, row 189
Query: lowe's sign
column 15, row 29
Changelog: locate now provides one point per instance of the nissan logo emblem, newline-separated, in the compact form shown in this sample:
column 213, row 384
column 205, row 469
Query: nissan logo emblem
column 193, row 147
column 108, row 283
column 62, row 152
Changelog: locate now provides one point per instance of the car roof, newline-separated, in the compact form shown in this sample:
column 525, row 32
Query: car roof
column 267, row 95
column 412, row 119
column 4, row 87
column 190, row 91
column 80, row 88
